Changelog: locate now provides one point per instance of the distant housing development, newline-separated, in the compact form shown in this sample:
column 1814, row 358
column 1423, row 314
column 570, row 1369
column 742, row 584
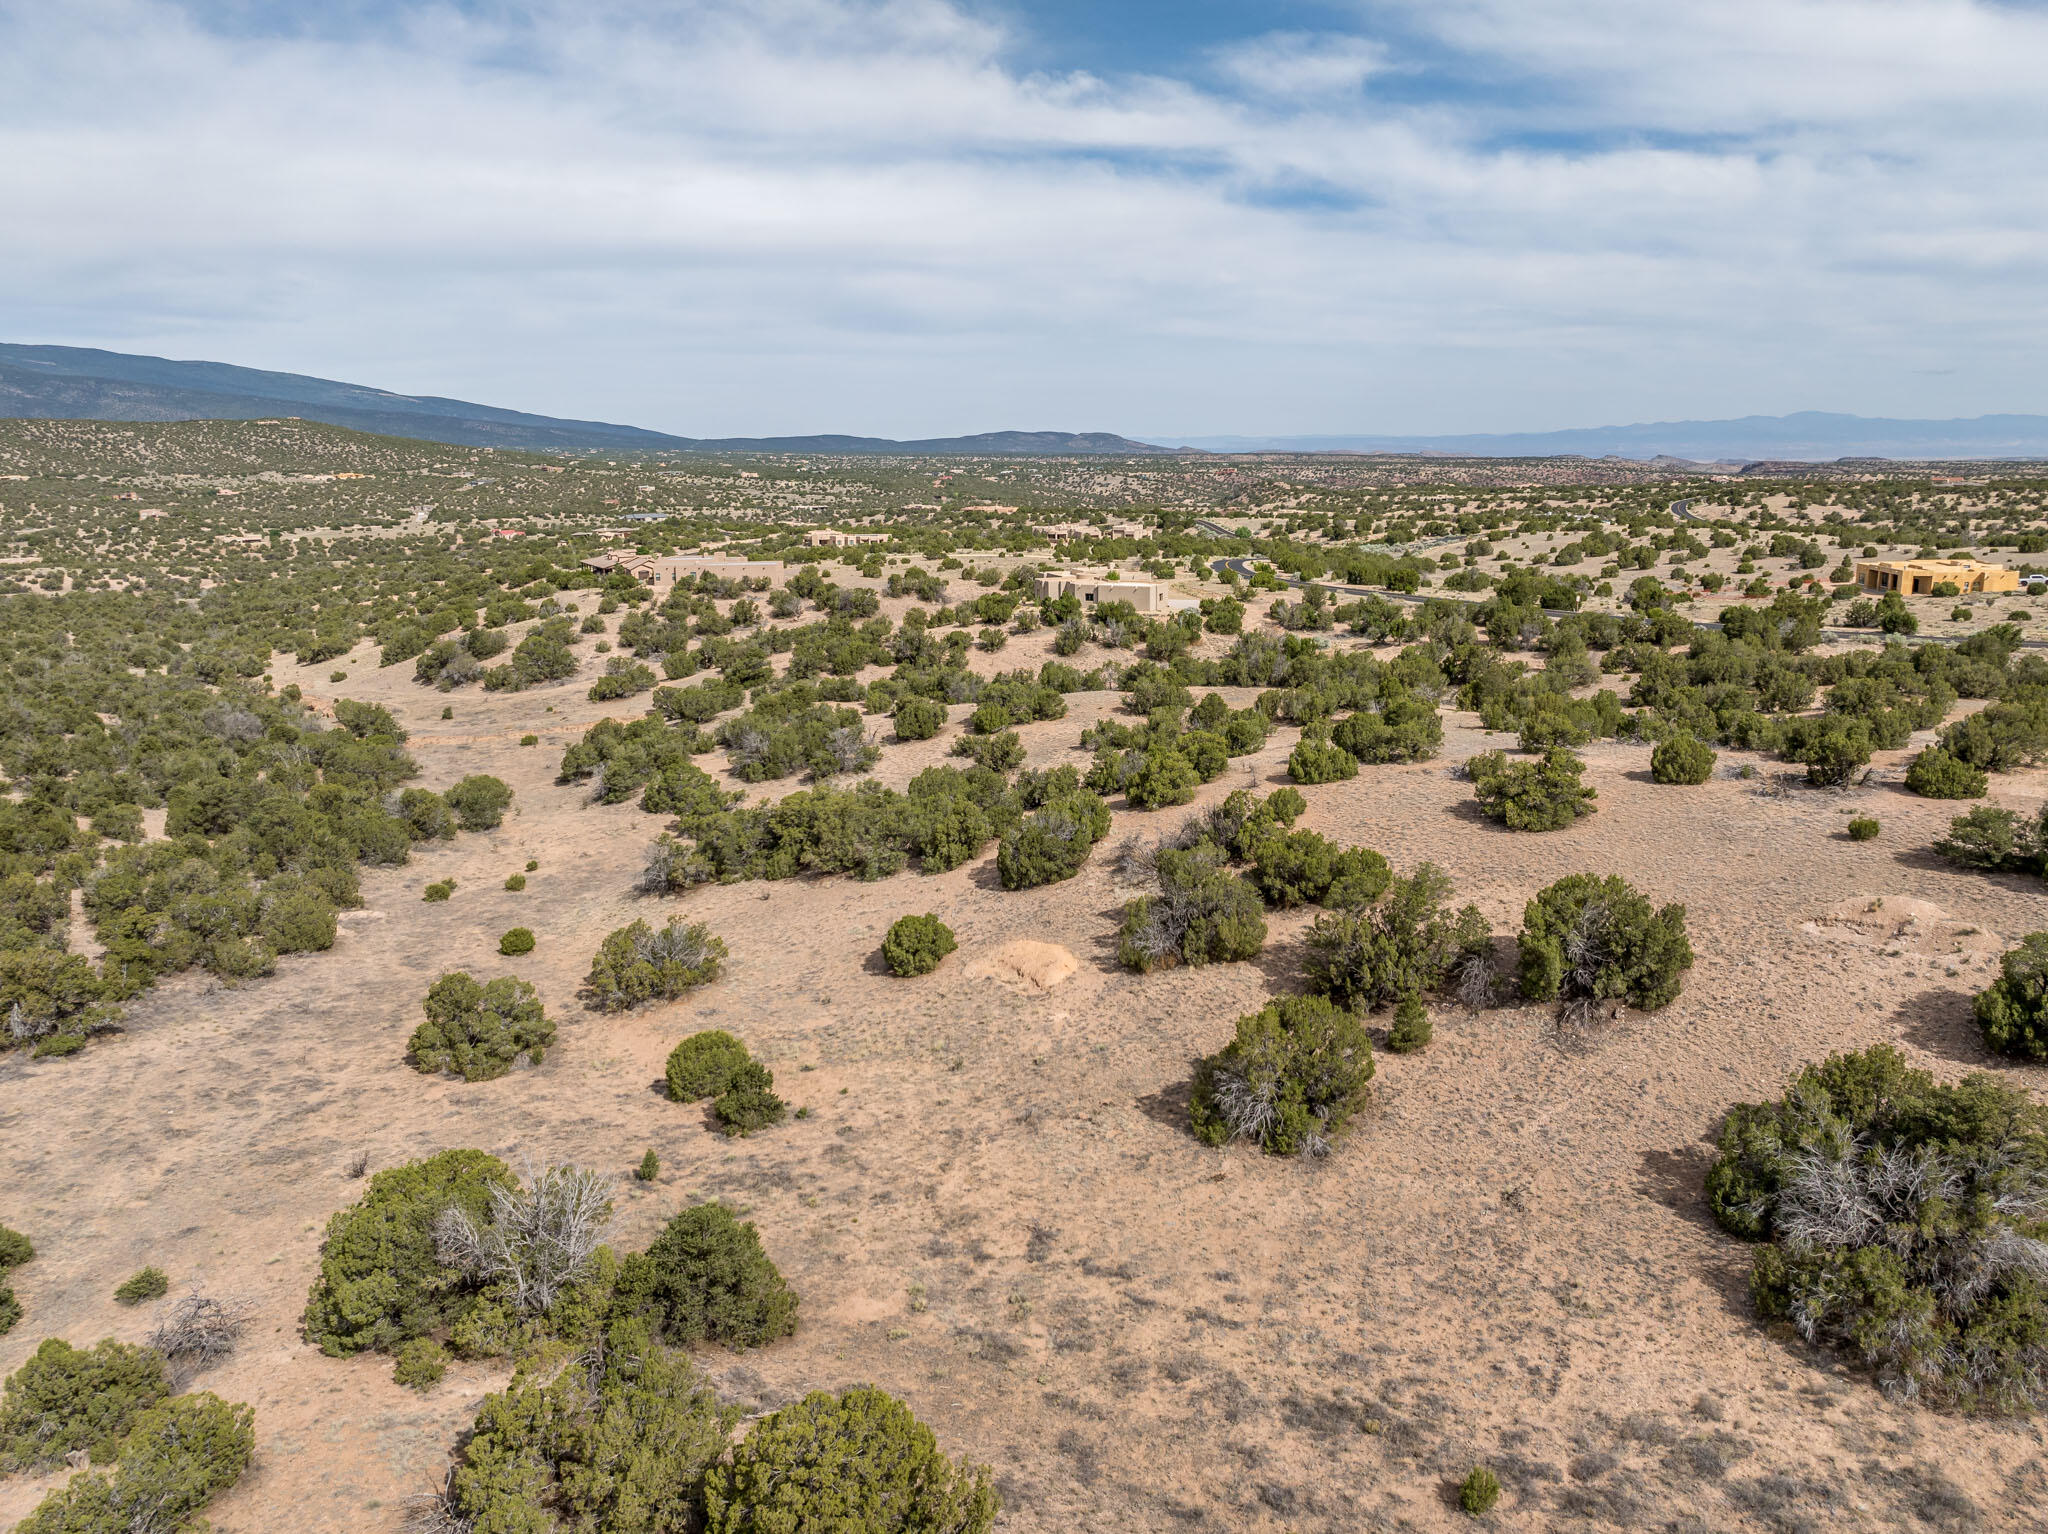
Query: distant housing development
column 1919, row 577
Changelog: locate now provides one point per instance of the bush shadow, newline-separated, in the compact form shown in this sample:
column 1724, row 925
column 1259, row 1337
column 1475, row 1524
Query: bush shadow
column 1676, row 1179
column 1102, row 947
column 1468, row 810
column 1169, row 1105
column 1927, row 860
column 1941, row 1023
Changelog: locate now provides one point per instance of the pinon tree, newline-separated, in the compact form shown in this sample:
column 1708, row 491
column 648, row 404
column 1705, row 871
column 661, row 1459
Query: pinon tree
column 1587, row 940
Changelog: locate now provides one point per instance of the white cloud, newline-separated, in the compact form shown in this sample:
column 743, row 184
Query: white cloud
column 831, row 214
column 1303, row 65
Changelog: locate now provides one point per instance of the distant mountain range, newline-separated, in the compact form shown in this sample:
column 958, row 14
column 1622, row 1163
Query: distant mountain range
column 1809, row 435
column 78, row 383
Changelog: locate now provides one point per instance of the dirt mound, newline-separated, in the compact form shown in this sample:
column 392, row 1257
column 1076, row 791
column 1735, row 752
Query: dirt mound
column 1902, row 923
column 1028, row 966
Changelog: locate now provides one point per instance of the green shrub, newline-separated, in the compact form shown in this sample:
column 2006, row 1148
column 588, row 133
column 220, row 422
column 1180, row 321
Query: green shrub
column 1317, row 759
column 1934, row 774
column 381, row 1280
column 515, row 882
column 2013, row 1010
column 635, row 965
column 1052, row 843
column 63, row 1399
column 1301, row 868
column 478, row 1032
column 1408, row 944
column 1202, row 914
column 1900, row 1219
column 1411, row 1030
column 420, row 1363
column 15, row 1249
column 1586, row 940
column 1543, row 795
column 704, row 1064
column 1243, row 820
column 1404, row 728
column 915, row 945
column 179, row 1456
column 426, row 815
column 1863, row 828
column 516, row 941
column 919, row 718
column 855, row 1461
column 624, row 1452
column 439, row 890
column 1479, row 1491
column 1833, row 747
column 479, row 802
column 649, row 1167
column 706, row 1279
column 529, row 740
column 10, row 1309
column 1993, row 840
column 1290, row 1080
column 297, row 918
column 149, row 1284
column 1167, row 777
column 1681, row 758
column 748, row 1102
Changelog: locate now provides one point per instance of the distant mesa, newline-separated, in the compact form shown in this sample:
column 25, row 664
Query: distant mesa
column 72, row 383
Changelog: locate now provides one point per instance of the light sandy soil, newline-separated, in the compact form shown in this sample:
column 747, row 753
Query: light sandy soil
column 995, row 1209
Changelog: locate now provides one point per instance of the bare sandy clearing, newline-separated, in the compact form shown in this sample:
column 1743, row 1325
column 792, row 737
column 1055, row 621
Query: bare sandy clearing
column 1028, row 966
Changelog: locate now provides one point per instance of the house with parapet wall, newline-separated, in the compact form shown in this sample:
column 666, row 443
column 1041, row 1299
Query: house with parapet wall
column 1919, row 577
column 832, row 538
column 662, row 570
column 1096, row 590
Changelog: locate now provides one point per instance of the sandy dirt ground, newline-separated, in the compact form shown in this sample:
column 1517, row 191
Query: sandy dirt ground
column 994, row 1208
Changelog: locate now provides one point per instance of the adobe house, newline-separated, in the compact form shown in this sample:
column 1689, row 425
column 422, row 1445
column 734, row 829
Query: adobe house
column 1144, row 596
column 659, row 570
column 833, row 538
column 1919, row 577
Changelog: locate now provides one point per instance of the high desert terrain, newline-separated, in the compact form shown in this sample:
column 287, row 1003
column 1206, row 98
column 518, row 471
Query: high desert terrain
column 991, row 1204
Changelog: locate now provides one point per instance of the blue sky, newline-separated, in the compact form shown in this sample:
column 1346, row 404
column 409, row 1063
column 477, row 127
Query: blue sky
column 912, row 217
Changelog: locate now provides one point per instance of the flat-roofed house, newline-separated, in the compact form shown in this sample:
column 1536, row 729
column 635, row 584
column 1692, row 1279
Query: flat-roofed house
column 1094, row 591
column 1065, row 532
column 833, row 538
column 663, row 570
column 1919, row 577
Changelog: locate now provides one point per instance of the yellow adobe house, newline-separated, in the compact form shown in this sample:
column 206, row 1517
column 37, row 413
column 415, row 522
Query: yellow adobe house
column 1918, row 577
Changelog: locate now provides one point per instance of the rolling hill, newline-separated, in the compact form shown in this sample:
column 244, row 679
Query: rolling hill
column 79, row 383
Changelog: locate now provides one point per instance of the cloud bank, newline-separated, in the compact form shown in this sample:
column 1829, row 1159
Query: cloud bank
column 868, row 216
